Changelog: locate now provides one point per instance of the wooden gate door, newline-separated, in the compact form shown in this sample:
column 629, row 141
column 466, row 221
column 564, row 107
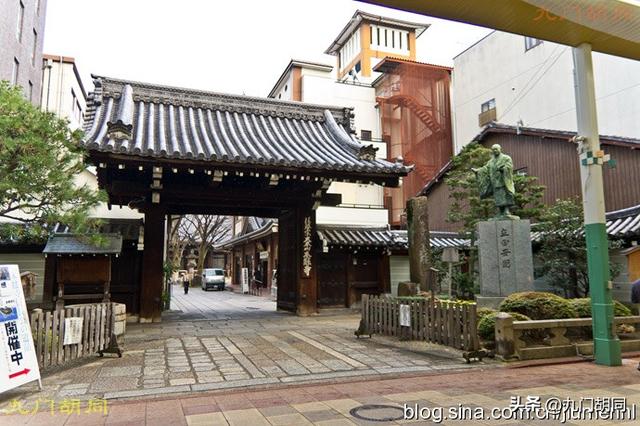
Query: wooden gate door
column 332, row 280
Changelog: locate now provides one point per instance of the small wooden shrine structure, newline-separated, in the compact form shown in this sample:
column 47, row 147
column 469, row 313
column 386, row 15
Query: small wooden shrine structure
column 82, row 268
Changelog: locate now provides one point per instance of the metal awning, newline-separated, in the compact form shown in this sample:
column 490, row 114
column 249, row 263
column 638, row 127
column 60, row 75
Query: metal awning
column 609, row 26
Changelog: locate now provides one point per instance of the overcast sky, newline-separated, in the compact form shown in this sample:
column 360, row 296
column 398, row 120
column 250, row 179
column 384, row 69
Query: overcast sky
column 239, row 46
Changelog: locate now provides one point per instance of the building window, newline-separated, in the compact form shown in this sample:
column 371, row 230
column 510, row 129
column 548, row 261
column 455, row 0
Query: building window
column 30, row 91
column 286, row 87
column 15, row 72
column 365, row 135
column 385, row 38
column 35, row 47
column 358, row 67
column 490, row 104
column 20, row 22
column 393, row 39
column 487, row 112
column 530, row 43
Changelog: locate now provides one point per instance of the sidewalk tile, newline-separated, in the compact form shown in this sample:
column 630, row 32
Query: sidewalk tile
column 210, row 419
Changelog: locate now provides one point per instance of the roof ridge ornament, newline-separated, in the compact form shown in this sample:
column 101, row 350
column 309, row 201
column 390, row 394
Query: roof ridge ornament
column 122, row 127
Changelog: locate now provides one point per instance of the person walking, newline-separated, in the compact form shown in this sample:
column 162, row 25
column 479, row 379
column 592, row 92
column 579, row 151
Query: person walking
column 185, row 284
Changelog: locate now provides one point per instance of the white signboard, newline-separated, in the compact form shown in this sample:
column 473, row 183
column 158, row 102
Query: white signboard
column 73, row 330
column 405, row 316
column 18, row 363
column 245, row 280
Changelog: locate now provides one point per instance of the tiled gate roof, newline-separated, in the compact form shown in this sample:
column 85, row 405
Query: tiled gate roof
column 145, row 120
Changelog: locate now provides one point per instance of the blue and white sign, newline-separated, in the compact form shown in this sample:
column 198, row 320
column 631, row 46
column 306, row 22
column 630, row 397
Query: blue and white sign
column 18, row 362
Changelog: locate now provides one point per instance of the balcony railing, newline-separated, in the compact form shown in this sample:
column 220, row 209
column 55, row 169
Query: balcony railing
column 487, row 117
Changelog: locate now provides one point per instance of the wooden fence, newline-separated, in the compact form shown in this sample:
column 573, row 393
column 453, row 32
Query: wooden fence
column 447, row 323
column 48, row 330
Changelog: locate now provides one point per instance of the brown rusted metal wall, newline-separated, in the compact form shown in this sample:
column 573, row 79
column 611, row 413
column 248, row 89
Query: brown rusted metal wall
column 416, row 123
column 555, row 163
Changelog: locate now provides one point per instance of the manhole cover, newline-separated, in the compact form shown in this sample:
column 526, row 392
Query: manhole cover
column 378, row 413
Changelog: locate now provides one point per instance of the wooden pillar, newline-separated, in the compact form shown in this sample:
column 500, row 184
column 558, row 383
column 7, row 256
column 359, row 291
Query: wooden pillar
column 384, row 272
column 307, row 261
column 152, row 268
column 49, row 281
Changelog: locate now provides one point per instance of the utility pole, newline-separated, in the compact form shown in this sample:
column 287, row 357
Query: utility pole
column 606, row 343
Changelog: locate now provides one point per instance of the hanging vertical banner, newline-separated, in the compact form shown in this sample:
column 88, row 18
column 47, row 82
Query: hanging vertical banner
column 306, row 247
column 245, row 280
column 18, row 362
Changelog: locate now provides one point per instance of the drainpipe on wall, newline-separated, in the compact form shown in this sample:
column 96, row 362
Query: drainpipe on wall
column 60, row 80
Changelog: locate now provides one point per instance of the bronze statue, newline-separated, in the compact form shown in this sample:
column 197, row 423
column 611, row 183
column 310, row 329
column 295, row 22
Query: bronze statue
column 495, row 179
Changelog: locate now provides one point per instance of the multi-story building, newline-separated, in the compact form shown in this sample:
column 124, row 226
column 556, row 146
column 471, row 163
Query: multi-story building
column 21, row 36
column 522, row 81
column 401, row 108
column 63, row 94
column 62, row 89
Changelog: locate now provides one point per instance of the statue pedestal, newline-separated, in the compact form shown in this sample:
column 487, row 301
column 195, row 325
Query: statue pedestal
column 505, row 258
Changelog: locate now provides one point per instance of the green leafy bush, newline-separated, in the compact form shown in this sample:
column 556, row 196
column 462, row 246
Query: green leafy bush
column 583, row 308
column 538, row 305
column 487, row 325
column 483, row 312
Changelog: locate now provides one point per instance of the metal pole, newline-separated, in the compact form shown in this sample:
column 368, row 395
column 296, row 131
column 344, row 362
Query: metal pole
column 606, row 343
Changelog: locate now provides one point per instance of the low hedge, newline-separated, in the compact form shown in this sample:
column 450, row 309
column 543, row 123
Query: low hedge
column 538, row 305
column 483, row 312
column 487, row 325
column 583, row 308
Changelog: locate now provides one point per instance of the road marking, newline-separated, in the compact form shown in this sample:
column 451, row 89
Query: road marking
column 352, row 362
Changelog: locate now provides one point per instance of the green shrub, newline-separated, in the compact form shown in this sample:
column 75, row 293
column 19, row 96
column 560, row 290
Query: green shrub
column 483, row 312
column 538, row 305
column 487, row 325
column 583, row 308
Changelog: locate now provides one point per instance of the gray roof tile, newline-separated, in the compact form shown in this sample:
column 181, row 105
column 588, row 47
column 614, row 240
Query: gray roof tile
column 79, row 244
column 164, row 122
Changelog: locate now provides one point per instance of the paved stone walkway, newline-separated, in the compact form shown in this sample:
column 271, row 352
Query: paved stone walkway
column 217, row 305
column 334, row 403
column 244, row 348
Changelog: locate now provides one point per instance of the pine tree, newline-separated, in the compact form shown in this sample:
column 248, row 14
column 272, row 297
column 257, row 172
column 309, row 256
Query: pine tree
column 39, row 160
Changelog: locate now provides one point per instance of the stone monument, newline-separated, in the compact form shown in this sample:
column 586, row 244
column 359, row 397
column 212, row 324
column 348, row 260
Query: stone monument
column 419, row 244
column 504, row 242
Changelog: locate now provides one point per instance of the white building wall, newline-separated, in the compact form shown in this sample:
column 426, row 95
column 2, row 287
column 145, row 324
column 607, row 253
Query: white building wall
column 87, row 177
column 536, row 87
column 399, row 270
column 322, row 90
column 62, row 94
column 348, row 216
column 285, row 91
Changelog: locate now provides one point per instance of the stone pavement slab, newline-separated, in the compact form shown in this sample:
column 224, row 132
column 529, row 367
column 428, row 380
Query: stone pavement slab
column 481, row 390
column 228, row 346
